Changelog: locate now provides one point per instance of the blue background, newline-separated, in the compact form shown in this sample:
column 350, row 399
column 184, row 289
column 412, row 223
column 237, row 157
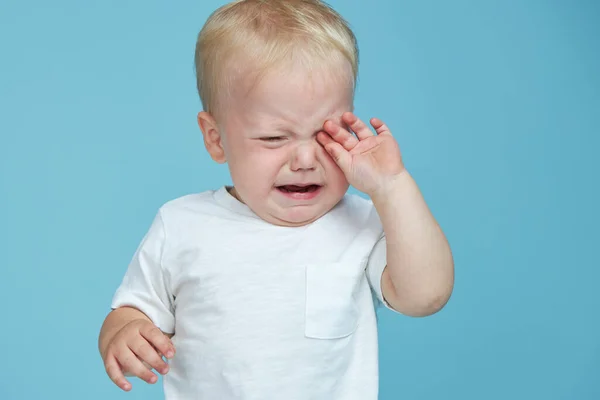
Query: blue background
column 496, row 105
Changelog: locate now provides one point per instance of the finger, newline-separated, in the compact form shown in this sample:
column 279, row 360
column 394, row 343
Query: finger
column 114, row 372
column 130, row 363
column 380, row 127
column 149, row 356
column 361, row 130
column 340, row 135
column 339, row 154
column 159, row 340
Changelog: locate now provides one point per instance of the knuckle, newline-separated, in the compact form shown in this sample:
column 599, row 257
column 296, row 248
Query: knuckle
column 146, row 352
column 157, row 332
column 120, row 353
column 158, row 363
column 159, row 339
column 163, row 343
column 139, row 370
column 116, row 353
column 127, row 360
column 148, row 329
column 113, row 373
column 134, row 344
column 147, row 375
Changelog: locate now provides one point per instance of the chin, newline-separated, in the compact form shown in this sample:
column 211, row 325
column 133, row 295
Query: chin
column 300, row 218
column 301, row 215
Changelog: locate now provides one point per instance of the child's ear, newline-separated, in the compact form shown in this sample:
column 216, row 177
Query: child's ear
column 212, row 136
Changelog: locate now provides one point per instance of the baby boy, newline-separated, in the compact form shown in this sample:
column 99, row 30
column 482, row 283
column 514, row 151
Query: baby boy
column 267, row 289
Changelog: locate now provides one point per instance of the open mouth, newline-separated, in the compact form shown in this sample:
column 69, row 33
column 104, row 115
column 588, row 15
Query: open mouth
column 298, row 188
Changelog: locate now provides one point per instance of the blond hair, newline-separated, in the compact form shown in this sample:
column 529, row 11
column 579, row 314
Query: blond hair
column 267, row 33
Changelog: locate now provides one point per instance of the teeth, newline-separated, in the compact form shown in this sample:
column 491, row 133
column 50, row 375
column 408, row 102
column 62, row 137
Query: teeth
column 297, row 189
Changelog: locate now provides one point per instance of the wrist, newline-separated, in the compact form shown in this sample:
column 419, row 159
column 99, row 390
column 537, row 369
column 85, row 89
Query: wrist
column 392, row 188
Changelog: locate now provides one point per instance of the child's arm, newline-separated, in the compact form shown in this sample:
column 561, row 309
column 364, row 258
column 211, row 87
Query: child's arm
column 130, row 344
column 419, row 276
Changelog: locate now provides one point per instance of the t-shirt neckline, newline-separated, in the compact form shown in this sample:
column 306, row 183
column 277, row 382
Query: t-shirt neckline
column 227, row 200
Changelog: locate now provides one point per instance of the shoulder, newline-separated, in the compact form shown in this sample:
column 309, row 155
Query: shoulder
column 356, row 202
column 184, row 222
column 191, row 210
column 193, row 202
column 358, row 212
column 356, row 207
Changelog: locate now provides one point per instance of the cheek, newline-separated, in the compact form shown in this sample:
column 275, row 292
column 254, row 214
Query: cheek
column 258, row 164
column 268, row 160
column 246, row 154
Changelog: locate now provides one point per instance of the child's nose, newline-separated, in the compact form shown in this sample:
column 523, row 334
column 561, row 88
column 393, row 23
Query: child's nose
column 304, row 156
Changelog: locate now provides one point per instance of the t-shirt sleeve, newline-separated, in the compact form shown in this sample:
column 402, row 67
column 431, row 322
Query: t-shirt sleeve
column 144, row 285
column 375, row 266
column 377, row 260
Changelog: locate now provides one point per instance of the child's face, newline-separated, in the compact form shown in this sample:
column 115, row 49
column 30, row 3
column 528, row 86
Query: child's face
column 269, row 141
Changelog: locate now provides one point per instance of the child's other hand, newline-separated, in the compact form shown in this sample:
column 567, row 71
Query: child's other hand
column 370, row 161
column 134, row 351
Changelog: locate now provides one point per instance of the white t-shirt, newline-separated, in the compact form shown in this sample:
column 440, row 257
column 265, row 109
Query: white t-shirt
column 261, row 311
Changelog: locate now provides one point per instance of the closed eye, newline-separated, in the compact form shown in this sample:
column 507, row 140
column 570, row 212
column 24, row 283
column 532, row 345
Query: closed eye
column 272, row 138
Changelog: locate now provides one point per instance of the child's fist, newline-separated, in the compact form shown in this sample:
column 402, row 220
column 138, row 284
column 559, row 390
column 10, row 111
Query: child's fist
column 134, row 351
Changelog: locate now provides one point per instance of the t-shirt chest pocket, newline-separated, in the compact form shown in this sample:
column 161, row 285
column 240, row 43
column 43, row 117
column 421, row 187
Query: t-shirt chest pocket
column 331, row 304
